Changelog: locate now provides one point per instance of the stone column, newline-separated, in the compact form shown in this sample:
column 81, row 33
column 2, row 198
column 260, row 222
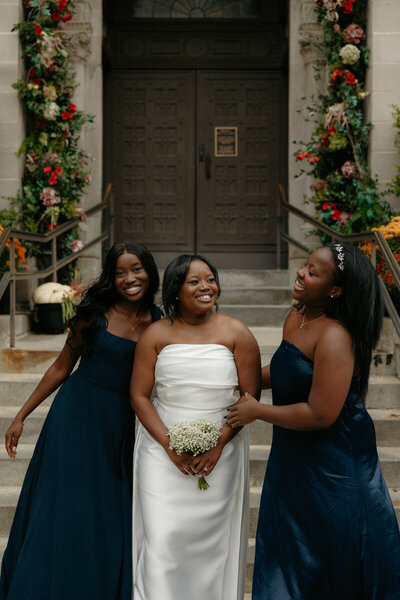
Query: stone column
column 85, row 52
column 384, row 84
column 303, row 33
column 12, row 129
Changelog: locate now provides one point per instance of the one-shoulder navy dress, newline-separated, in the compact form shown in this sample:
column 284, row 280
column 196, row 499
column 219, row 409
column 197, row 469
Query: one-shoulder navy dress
column 327, row 528
column 71, row 535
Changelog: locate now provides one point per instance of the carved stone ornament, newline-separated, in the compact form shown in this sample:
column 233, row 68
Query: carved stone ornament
column 310, row 32
column 79, row 41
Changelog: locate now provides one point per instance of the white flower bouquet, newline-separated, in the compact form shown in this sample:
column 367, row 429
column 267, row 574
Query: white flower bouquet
column 194, row 437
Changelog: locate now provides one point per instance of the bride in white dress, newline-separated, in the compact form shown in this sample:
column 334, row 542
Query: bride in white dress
column 190, row 544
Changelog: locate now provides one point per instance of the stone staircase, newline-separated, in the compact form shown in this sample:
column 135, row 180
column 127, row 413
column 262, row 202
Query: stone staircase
column 261, row 299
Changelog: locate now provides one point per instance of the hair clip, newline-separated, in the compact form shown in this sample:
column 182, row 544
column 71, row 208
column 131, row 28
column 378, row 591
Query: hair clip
column 340, row 256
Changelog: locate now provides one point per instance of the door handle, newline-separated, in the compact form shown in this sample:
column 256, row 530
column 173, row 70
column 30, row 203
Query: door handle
column 208, row 166
column 201, row 152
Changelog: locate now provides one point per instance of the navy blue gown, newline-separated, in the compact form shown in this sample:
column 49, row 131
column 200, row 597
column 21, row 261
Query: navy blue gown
column 327, row 528
column 71, row 535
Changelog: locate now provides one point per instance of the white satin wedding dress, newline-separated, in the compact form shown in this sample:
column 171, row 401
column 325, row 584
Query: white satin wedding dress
column 190, row 544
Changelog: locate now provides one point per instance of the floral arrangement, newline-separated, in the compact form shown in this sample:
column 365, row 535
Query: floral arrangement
column 20, row 255
column 56, row 170
column 73, row 295
column 194, row 437
column 343, row 191
column 391, row 232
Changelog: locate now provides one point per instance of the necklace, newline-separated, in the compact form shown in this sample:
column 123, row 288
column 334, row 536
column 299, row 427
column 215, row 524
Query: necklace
column 303, row 323
column 190, row 324
column 121, row 314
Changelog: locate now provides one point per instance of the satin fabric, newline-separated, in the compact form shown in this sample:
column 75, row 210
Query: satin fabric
column 327, row 528
column 71, row 535
column 189, row 543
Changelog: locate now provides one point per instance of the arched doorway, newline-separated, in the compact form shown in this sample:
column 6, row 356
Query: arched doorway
column 195, row 126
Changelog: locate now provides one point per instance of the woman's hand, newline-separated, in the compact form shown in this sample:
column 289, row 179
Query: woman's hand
column 243, row 412
column 13, row 434
column 184, row 462
column 204, row 463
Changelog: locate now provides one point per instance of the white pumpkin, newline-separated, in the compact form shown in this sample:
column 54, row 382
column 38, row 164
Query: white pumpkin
column 50, row 293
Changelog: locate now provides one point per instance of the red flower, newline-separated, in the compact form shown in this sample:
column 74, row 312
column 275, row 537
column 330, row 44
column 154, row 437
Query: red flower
column 350, row 78
column 66, row 115
column 47, row 170
column 67, row 17
column 336, row 74
column 61, row 5
column 72, row 108
column 313, row 159
column 56, row 16
column 38, row 29
column 54, row 176
column 302, row 155
column 36, row 81
column 335, row 214
column 32, row 73
column 326, row 205
column 348, row 6
column 331, row 131
column 50, row 227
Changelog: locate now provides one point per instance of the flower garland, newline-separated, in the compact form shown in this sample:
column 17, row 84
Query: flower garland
column 391, row 232
column 56, row 170
column 344, row 193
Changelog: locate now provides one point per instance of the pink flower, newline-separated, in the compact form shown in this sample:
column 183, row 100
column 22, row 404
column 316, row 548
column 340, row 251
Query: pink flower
column 353, row 34
column 343, row 218
column 348, row 170
column 79, row 211
column 88, row 178
column 49, row 196
column 336, row 28
column 318, row 185
column 77, row 245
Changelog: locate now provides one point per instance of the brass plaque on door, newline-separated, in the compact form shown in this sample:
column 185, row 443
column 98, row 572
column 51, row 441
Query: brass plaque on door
column 225, row 141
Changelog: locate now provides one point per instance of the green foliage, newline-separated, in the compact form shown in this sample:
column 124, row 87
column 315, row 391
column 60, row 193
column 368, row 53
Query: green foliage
column 56, row 168
column 344, row 193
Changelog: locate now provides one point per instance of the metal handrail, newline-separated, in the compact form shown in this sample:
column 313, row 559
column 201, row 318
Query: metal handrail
column 11, row 277
column 375, row 237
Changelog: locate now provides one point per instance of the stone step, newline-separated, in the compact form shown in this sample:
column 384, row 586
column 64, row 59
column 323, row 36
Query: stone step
column 253, row 278
column 389, row 458
column 25, row 360
column 22, row 326
column 387, row 426
column 257, row 314
column 32, row 426
column 17, row 387
column 255, row 295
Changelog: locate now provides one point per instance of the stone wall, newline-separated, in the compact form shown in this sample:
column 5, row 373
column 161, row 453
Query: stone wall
column 384, row 84
column 85, row 34
column 303, row 33
column 12, row 129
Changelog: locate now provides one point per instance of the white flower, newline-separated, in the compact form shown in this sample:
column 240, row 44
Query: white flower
column 194, row 437
column 51, row 110
column 349, row 54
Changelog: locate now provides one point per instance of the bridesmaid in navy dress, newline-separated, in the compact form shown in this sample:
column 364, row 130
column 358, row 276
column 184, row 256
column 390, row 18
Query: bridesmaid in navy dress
column 327, row 528
column 71, row 535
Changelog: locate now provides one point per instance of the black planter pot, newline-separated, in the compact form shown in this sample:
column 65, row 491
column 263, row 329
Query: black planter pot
column 49, row 318
column 5, row 302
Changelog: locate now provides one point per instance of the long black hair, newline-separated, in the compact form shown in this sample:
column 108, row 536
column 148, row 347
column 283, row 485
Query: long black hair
column 360, row 305
column 174, row 277
column 101, row 294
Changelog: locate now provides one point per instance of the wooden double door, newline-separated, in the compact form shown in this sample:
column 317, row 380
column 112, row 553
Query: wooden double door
column 195, row 157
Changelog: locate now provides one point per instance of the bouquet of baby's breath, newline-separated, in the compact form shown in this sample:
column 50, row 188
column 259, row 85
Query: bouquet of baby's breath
column 194, row 437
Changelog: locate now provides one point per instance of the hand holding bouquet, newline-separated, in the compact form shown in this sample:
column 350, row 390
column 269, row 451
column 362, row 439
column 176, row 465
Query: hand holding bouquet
column 194, row 437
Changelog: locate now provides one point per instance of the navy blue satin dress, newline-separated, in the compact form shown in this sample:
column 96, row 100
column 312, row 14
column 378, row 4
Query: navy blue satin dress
column 71, row 535
column 327, row 528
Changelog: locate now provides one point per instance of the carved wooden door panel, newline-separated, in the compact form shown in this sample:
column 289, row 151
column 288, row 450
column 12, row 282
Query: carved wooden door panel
column 240, row 137
column 152, row 158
